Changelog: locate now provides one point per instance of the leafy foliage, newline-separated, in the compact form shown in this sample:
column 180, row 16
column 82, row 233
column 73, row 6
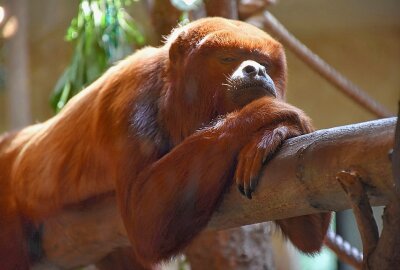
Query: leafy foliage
column 103, row 33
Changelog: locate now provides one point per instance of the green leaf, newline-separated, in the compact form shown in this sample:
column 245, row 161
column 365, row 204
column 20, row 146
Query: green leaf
column 64, row 96
column 102, row 33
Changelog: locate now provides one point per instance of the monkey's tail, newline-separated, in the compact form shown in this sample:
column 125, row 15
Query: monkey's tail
column 344, row 250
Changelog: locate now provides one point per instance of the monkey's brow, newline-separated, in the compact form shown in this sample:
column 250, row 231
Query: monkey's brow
column 255, row 52
column 246, row 52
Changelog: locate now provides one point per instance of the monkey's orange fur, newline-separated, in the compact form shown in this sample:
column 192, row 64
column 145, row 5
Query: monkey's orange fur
column 161, row 129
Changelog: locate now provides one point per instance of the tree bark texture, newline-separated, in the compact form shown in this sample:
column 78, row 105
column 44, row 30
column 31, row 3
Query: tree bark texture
column 244, row 248
column 301, row 179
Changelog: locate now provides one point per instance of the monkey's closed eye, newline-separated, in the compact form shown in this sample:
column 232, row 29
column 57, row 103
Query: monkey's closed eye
column 228, row 59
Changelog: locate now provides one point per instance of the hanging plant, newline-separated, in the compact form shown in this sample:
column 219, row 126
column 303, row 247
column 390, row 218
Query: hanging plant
column 103, row 33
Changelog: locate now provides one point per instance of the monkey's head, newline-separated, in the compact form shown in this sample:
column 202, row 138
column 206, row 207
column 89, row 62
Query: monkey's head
column 225, row 64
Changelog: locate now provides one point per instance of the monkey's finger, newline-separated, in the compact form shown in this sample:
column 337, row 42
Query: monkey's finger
column 239, row 170
column 247, row 172
column 278, row 136
column 269, row 153
column 239, row 175
column 256, row 168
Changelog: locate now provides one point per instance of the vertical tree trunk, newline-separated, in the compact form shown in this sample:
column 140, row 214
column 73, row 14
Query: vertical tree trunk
column 164, row 17
column 222, row 8
column 17, row 61
column 245, row 248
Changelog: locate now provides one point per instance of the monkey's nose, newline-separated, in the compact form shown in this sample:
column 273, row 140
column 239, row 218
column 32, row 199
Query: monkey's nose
column 252, row 69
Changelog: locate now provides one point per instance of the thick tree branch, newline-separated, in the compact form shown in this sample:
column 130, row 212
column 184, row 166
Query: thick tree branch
column 300, row 180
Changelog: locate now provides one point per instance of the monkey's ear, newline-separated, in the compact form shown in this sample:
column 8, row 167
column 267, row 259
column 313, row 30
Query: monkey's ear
column 177, row 50
column 307, row 233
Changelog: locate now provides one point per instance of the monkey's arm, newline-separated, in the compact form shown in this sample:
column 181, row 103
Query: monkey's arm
column 173, row 199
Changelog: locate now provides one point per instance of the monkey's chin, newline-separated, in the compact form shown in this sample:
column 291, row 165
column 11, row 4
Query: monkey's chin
column 256, row 87
column 245, row 96
column 260, row 91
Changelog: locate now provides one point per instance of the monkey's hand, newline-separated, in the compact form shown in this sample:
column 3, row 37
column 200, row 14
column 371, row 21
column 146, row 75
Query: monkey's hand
column 262, row 147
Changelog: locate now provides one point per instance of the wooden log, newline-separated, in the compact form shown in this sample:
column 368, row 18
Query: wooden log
column 299, row 180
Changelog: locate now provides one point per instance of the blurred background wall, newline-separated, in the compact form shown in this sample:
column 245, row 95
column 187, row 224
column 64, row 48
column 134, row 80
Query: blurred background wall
column 359, row 38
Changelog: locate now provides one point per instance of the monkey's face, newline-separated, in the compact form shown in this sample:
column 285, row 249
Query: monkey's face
column 249, row 82
column 227, row 63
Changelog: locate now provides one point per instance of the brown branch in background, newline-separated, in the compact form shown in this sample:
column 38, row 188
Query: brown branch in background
column 17, row 72
column 387, row 255
column 222, row 8
column 379, row 252
column 247, row 8
column 345, row 252
column 164, row 17
column 352, row 185
column 268, row 22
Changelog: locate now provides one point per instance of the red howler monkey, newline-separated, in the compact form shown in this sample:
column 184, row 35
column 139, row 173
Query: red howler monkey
column 167, row 129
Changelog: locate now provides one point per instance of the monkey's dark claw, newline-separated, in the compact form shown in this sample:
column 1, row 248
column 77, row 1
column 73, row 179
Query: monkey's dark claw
column 248, row 192
column 248, row 195
column 241, row 190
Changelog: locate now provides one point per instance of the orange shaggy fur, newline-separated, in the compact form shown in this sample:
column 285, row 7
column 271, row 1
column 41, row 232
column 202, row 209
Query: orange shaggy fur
column 161, row 130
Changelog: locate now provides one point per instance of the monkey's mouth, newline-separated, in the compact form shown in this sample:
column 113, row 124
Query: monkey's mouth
column 259, row 88
column 245, row 91
column 262, row 86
